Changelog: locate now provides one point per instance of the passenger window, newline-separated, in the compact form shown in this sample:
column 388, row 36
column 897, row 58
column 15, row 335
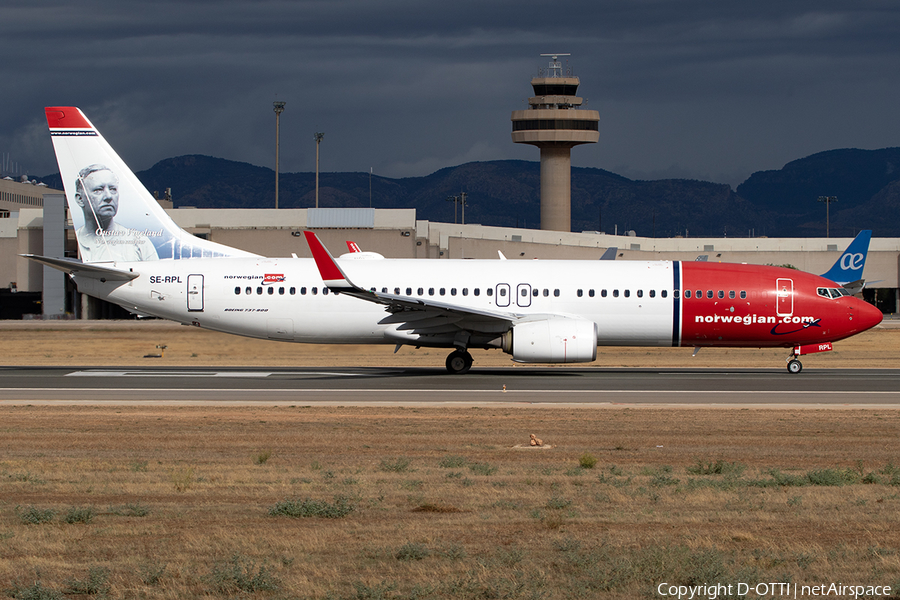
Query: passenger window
column 743, row 294
column 627, row 293
column 579, row 293
column 603, row 293
column 477, row 291
column 303, row 291
column 314, row 291
column 293, row 291
column 502, row 292
column 653, row 293
column 420, row 291
column 640, row 293
column 396, row 291
column 281, row 291
column 249, row 290
column 324, row 291
column 409, row 291
column 698, row 294
column 384, row 290
column 465, row 291
column 452, row 291
column 443, row 291
column 731, row 294
column 535, row 292
column 237, row 291
column 546, row 292
column 490, row 292
column 615, row 293
column 259, row 291
column 271, row 291
column 591, row 293
column 525, row 292
column 556, row 293
column 709, row 293
column 721, row 294
column 431, row 291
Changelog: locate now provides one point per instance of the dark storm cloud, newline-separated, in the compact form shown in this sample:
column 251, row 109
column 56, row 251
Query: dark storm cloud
column 693, row 89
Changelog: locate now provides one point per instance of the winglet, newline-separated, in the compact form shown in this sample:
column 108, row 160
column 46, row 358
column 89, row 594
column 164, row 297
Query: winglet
column 331, row 273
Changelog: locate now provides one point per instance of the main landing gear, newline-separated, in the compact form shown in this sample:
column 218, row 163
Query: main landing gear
column 459, row 362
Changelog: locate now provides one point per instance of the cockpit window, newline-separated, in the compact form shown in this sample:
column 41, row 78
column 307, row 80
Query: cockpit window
column 832, row 292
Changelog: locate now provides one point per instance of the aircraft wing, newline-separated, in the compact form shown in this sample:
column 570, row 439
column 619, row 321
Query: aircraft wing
column 416, row 315
column 76, row 267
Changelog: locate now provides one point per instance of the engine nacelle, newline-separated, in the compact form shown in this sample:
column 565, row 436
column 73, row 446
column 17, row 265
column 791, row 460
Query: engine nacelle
column 556, row 340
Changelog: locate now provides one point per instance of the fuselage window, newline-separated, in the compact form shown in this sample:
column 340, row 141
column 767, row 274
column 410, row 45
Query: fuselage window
column 443, row 291
column 603, row 293
column 709, row 293
column 731, row 294
column 546, row 292
column 579, row 293
column 525, row 292
column 490, row 292
column 293, row 291
column 699, row 294
column 591, row 293
column 640, row 293
column 281, row 291
column 324, row 291
column 271, row 291
column 465, row 291
column 409, row 291
column 556, row 293
column 687, row 293
column 249, row 291
column 721, row 294
column 314, row 291
column 477, row 291
column 303, row 291
column 535, row 292
column 237, row 291
column 627, row 293
column 615, row 293
column 502, row 292
column 743, row 294
column 396, row 291
column 259, row 291
column 452, row 291
column 420, row 291
column 384, row 290
column 431, row 291
column 653, row 293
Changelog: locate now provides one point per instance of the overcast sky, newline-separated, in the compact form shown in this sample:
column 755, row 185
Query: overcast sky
column 685, row 88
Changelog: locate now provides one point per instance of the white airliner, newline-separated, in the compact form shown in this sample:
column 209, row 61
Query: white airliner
column 539, row 311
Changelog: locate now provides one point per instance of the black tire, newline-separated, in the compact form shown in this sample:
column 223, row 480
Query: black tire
column 794, row 366
column 459, row 362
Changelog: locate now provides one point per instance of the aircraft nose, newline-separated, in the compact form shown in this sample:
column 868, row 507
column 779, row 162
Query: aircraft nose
column 867, row 315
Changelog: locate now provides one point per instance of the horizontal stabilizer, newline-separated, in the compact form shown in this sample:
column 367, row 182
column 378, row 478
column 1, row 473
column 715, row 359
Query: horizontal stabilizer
column 76, row 267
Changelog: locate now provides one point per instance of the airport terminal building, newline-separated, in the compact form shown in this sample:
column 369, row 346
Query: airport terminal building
column 34, row 220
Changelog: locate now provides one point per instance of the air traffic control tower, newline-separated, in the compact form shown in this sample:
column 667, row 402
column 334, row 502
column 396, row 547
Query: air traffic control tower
column 554, row 123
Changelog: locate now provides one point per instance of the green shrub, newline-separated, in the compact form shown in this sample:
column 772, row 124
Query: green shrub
column 400, row 465
column 78, row 514
column 299, row 509
column 453, row 462
column 262, row 457
column 240, row 574
column 412, row 551
column 33, row 515
column 483, row 468
column 587, row 461
column 832, row 477
column 96, row 582
column 35, row 591
column 720, row 467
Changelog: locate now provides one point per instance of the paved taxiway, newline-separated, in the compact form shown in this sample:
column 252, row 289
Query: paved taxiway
column 361, row 386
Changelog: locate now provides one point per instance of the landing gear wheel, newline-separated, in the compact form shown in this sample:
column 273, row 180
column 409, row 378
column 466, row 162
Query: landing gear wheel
column 794, row 366
column 459, row 362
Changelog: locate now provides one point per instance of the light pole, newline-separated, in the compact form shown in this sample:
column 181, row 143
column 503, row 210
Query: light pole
column 319, row 137
column 279, row 108
column 827, row 200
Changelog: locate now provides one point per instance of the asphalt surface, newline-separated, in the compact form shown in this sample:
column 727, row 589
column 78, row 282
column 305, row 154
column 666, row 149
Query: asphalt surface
column 814, row 388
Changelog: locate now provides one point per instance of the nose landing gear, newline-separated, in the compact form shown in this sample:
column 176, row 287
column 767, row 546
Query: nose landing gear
column 459, row 362
column 794, row 366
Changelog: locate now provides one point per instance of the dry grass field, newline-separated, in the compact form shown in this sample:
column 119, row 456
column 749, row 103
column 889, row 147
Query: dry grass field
column 350, row 503
column 335, row 503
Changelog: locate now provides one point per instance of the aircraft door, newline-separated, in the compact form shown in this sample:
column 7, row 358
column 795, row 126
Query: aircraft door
column 502, row 293
column 523, row 295
column 195, row 293
column 784, row 294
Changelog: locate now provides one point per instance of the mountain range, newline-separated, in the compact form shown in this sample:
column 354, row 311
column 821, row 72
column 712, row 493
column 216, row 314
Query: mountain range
column 506, row 193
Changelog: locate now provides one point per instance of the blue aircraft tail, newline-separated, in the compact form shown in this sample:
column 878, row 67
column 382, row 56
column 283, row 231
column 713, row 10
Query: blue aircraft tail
column 849, row 267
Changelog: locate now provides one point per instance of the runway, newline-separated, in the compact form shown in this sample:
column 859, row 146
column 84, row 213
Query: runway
column 589, row 387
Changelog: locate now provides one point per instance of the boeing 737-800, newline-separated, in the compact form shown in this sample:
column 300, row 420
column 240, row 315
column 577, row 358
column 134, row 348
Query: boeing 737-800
column 538, row 311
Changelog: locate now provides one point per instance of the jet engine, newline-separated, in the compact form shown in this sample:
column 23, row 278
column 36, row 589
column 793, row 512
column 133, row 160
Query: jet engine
column 554, row 340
